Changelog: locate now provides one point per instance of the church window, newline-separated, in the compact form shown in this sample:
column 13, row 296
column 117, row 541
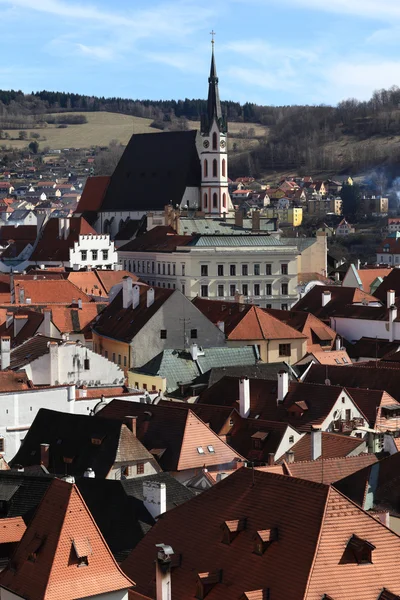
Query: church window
column 169, row 268
column 173, row 269
column 215, row 168
column 158, row 268
column 205, row 168
column 163, row 269
column 224, row 200
column 215, row 200
column 205, row 200
column 223, row 168
column 214, row 141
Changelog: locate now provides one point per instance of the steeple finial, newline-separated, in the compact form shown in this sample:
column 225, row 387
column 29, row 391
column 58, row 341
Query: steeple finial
column 212, row 33
column 213, row 103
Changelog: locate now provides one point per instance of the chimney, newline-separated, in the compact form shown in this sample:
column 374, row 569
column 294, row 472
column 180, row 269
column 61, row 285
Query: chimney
column 194, row 351
column 239, row 219
column 221, row 326
column 135, row 296
column 150, row 297
column 53, row 351
column 338, row 342
column 255, row 220
column 80, row 303
column 126, row 291
column 19, row 322
column 89, row 473
column 21, row 295
column 271, row 459
column 289, row 457
column 67, row 223
column 244, row 397
column 5, row 346
column 283, row 385
column 221, row 476
column 392, row 318
column 358, row 264
column 163, row 572
column 44, row 455
column 71, row 393
column 47, row 322
column 326, row 297
column 391, row 298
column 239, row 298
column 337, row 277
column 9, row 319
column 316, row 443
column 155, row 497
column 131, row 422
column 60, row 228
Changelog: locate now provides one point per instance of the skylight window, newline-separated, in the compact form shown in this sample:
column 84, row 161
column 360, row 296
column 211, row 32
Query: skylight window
column 211, row 449
column 200, row 450
column 337, row 361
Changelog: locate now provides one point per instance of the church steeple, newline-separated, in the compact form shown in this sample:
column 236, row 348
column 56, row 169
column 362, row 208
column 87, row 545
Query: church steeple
column 214, row 111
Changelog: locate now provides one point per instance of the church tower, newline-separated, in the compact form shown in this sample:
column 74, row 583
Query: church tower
column 213, row 153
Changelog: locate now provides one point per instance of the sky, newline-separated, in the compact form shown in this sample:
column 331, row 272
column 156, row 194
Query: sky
column 267, row 51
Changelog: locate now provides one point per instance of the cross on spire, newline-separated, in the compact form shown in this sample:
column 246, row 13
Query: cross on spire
column 212, row 33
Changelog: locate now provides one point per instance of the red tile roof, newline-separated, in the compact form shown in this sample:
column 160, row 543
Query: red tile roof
column 340, row 298
column 45, row 565
column 334, row 445
column 11, row 530
column 368, row 276
column 314, row 524
column 93, row 194
column 26, row 233
column 316, row 330
column 48, row 291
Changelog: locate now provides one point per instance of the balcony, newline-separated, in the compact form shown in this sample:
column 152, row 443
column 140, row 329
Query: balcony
column 346, row 425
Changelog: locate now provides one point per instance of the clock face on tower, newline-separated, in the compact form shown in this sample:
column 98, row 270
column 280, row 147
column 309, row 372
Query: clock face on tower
column 223, row 144
column 206, row 143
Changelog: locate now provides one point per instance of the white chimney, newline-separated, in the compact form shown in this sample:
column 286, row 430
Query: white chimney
column 358, row 264
column 391, row 298
column 80, row 303
column 135, row 296
column 89, row 473
column 163, row 572
column 150, row 297
column 47, row 323
column 244, row 397
column 5, row 346
column 9, row 319
column 126, row 292
column 53, row 351
column 283, row 385
column 326, row 297
column 67, row 223
column 221, row 326
column 60, row 228
column 392, row 318
column 194, row 351
column 338, row 343
column 316, row 443
column 21, row 295
column 289, row 456
column 155, row 497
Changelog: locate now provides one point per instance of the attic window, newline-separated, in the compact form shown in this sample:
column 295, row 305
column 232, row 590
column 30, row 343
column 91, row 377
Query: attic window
column 264, row 539
column 357, row 551
column 82, row 550
column 231, row 529
column 200, row 450
column 34, row 547
column 97, row 439
column 206, row 582
column 337, row 361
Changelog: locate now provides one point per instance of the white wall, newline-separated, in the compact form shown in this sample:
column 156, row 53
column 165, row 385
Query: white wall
column 354, row 329
column 149, row 469
column 88, row 244
column 285, row 445
column 341, row 406
column 65, row 364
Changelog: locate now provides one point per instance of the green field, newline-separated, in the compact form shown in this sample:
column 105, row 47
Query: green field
column 102, row 127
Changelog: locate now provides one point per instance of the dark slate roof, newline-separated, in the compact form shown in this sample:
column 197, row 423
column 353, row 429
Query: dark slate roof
column 70, row 436
column 28, row 491
column 131, row 228
column 260, row 371
column 30, row 350
column 177, row 493
column 153, row 171
column 391, row 282
column 123, row 520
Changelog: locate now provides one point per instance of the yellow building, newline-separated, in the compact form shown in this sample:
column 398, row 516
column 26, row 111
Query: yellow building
column 294, row 216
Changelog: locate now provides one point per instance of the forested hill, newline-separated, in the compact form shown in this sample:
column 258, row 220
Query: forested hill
column 353, row 135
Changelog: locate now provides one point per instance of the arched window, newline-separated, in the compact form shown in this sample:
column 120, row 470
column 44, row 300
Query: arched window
column 215, row 168
column 215, row 200
column 121, row 224
column 223, row 168
column 205, row 201
column 224, row 200
column 205, row 168
column 214, row 143
column 106, row 226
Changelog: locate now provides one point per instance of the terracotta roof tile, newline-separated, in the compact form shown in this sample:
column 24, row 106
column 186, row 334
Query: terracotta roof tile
column 334, row 445
column 256, row 324
column 48, row 291
column 93, row 194
column 316, row 330
column 45, row 565
column 52, row 247
column 11, row 530
column 340, row 298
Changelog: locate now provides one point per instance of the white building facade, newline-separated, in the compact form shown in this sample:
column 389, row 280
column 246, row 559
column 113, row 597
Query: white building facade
column 94, row 251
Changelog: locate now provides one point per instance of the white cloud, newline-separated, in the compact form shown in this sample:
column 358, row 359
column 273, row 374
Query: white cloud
column 383, row 10
column 360, row 79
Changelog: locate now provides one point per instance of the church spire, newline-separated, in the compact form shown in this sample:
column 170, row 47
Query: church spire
column 214, row 111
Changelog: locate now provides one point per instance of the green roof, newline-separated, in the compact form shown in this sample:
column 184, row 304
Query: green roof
column 236, row 240
column 301, row 243
column 177, row 366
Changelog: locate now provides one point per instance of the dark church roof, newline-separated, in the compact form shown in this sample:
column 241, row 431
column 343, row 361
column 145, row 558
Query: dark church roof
column 153, row 171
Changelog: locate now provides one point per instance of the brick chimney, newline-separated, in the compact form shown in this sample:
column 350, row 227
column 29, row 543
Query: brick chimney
column 131, row 422
column 239, row 218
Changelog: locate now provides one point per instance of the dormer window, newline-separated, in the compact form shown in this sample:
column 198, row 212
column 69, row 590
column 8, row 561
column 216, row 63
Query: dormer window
column 258, row 439
column 358, row 551
column 82, row 549
column 264, row 539
column 206, row 581
column 231, row 529
column 97, row 439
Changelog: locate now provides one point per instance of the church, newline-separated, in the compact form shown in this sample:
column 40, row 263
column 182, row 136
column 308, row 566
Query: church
column 186, row 169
